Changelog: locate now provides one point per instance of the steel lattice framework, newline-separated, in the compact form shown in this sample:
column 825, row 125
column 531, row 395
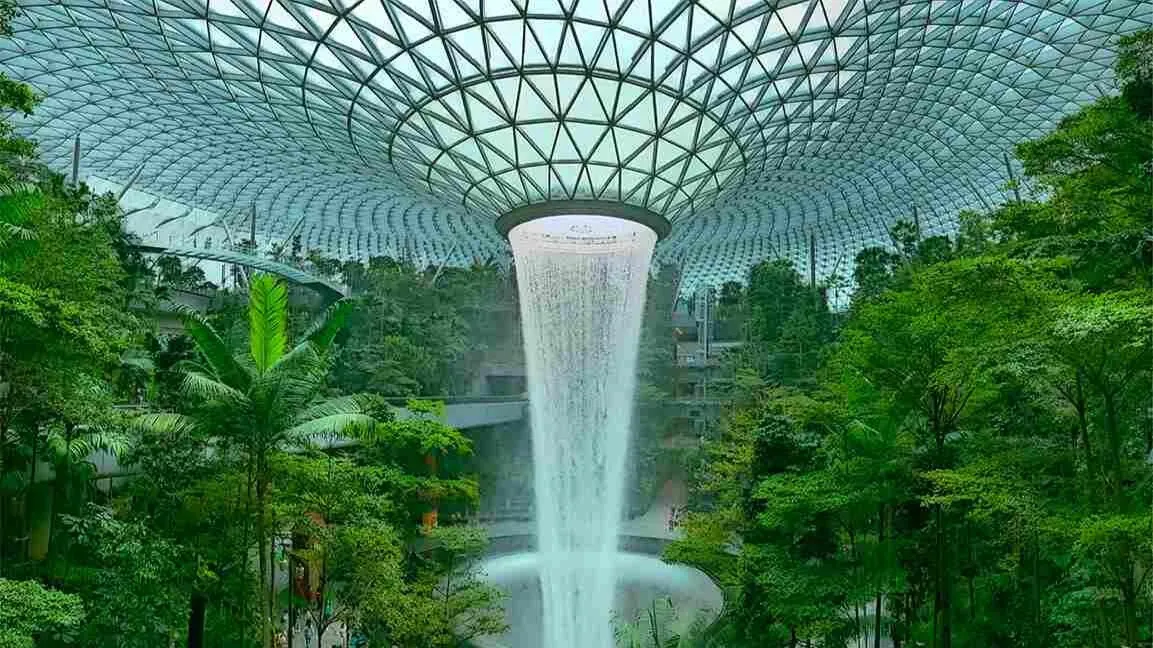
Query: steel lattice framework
column 752, row 125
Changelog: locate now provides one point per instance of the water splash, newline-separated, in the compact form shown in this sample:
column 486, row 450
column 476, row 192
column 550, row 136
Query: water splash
column 582, row 290
column 641, row 580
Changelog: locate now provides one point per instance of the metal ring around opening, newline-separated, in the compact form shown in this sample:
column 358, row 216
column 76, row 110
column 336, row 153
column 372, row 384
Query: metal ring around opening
column 649, row 219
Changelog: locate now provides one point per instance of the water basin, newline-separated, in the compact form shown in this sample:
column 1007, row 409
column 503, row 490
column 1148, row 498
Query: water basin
column 640, row 580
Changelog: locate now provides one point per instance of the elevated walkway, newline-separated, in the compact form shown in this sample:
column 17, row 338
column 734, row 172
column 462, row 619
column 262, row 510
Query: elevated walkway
column 293, row 274
column 648, row 533
column 469, row 413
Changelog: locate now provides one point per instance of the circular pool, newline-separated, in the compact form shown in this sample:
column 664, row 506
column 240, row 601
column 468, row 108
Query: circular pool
column 641, row 580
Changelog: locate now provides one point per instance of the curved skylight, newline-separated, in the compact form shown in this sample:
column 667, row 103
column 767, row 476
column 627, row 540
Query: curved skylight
column 375, row 126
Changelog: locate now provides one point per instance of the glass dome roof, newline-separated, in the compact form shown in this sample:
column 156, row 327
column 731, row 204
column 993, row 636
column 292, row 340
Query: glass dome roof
column 369, row 126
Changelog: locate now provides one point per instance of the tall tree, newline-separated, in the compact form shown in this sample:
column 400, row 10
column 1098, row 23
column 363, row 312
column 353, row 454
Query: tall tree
column 264, row 401
column 980, row 473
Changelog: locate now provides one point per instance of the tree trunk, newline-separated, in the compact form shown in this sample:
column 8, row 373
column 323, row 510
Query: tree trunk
column 1113, row 437
column 28, row 497
column 246, row 551
column 271, row 591
column 196, row 608
column 971, row 571
column 262, row 559
column 322, row 597
column 897, row 603
column 60, row 488
column 877, row 605
column 1129, row 599
column 1077, row 398
column 1148, row 425
column 291, row 631
column 1036, row 559
column 942, row 621
column 972, row 600
column 3, row 498
column 857, row 621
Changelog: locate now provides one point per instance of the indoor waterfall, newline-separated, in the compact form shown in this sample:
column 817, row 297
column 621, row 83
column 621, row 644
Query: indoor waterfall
column 582, row 292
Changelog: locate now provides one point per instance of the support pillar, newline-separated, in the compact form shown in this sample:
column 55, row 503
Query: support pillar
column 76, row 160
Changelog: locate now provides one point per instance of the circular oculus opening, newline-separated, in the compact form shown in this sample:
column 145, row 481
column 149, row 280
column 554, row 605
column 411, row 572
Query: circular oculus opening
column 587, row 220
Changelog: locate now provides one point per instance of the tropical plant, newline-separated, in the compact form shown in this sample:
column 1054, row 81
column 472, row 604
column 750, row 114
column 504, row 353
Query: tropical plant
column 662, row 625
column 131, row 579
column 445, row 603
column 17, row 200
column 264, row 400
column 29, row 611
column 971, row 463
column 69, row 449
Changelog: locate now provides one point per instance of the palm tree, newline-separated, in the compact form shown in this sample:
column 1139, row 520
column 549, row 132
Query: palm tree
column 69, row 449
column 264, row 400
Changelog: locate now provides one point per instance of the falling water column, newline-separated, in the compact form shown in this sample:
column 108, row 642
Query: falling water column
column 582, row 291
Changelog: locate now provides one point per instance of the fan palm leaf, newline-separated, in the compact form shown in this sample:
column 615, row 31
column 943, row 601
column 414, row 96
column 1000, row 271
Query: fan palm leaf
column 267, row 320
column 113, row 441
column 658, row 626
column 628, row 635
column 138, row 360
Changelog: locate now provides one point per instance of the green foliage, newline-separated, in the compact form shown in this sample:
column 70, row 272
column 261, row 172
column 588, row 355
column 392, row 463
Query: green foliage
column 29, row 611
column 268, row 317
column 969, row 467
column 1134, row 69
column 423, row 332
column 63, row 329
column 426, row 458
column 661, row 625
column 872, row 271
column 656, row 374
column 773, row 292
column 349, row 512
column 171, row 272
column 15, row 97
column 446, row 602
column 254, row 408
column 131, row 580
column 223, row 463
column 338, row 513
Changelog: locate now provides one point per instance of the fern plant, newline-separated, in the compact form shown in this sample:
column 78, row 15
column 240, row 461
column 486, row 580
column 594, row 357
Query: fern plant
column 17, row 200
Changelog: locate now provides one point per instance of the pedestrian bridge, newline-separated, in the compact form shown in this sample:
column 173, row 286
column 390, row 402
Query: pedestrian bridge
column 324, row 287
column 463, row 414
column 648, row 533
